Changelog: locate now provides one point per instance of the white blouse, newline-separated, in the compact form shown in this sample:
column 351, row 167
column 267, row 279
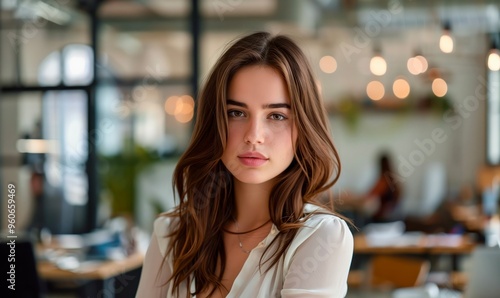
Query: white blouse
column 315, row 265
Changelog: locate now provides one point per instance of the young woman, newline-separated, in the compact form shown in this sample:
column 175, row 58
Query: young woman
column 247, row 224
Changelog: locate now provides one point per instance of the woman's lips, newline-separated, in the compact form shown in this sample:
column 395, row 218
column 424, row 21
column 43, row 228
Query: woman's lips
column 252, row 161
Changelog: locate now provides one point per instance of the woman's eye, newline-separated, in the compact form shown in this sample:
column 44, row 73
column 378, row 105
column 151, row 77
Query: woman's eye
column 235, row 114
column 278, row 117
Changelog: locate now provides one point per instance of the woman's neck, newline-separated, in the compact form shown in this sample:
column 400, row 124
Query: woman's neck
column 252, row 203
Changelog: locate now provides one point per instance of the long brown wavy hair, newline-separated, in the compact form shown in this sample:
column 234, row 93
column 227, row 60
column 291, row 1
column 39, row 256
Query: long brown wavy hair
column 205, row 186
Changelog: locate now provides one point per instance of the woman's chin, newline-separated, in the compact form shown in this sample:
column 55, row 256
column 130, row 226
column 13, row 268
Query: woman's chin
column 251, row 179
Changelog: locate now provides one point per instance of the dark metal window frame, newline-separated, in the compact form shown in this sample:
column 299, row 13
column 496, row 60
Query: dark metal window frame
column 91, row 8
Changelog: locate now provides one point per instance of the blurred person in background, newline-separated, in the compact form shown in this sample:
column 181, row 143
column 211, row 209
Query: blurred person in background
column 381, row 202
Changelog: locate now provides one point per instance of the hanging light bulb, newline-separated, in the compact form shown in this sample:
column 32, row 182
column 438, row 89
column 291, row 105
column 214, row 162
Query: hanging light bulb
column 417, row 64
column 439, row 87
column 494, row 57
column 378, row 66
column 328, row 64
column 375, row 90
column 401, row 88
column 423, row 63
column 446, row 41
column 414, row 66
column 494, row 60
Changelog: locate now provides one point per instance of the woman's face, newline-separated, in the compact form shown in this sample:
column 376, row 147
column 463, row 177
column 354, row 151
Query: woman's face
column 261, row 134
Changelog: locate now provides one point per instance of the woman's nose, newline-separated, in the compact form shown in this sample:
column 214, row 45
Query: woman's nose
column 254, row 132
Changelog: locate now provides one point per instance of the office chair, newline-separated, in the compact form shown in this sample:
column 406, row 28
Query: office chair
column 397, row 271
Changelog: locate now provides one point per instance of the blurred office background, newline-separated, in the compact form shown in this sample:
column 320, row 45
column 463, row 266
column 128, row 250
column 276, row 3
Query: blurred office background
column 97, row 98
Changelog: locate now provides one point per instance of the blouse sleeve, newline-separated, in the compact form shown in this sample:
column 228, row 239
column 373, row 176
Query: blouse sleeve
column 320, row 265
column 155, row 272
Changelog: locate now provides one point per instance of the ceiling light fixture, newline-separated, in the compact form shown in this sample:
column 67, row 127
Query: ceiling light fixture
column 446, row 41
column 494, row 55
column 378, row 66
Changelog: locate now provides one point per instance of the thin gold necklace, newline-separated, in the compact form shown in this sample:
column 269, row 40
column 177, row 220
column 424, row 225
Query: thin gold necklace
column 238, row 233
column 239, row 239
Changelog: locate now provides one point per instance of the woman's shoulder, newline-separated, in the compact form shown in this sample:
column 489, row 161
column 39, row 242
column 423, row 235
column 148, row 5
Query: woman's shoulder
column 322, row 222
column 321, row 229
column 162, row 227
column 318, row 214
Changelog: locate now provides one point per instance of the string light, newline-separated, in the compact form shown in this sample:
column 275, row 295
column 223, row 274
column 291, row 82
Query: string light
column 446, row 41
column 417, row 65
column 375, row 90
column 423, row 62
column 378, row 66
column 328, row 64
column 181, row 107
column 494, row 60
column 439, row 87
column 401, row 88
column 493, row 56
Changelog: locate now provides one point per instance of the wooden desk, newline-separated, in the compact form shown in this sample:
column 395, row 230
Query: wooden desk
column 426, row 245
column 102, row 279
column 457, row 280
column 361, row 246
column 95, row 270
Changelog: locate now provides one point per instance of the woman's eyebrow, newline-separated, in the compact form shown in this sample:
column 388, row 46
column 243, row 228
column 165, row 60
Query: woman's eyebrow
column 266, row 106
